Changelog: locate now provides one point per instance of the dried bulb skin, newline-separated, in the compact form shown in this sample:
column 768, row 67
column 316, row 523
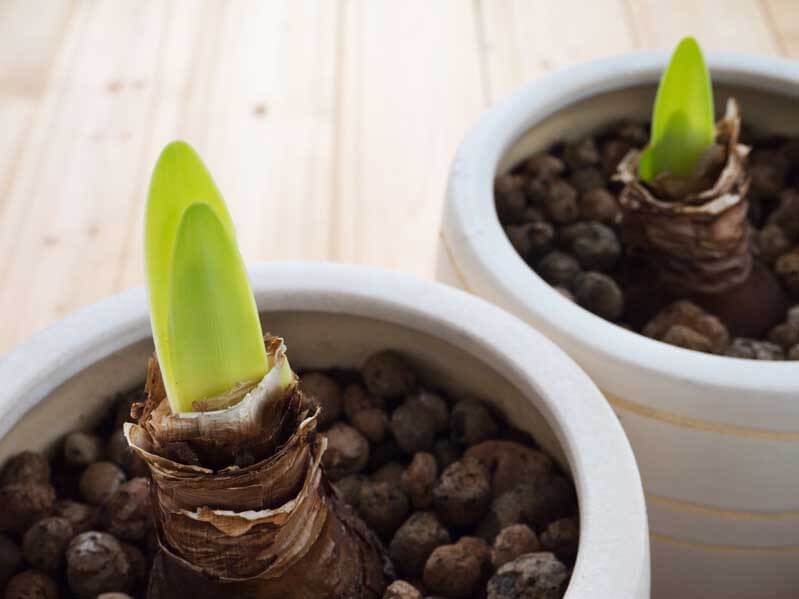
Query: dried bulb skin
column 276, row 527
column 695, row 235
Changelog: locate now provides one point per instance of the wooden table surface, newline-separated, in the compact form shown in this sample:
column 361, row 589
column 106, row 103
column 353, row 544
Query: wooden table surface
column 328, row 125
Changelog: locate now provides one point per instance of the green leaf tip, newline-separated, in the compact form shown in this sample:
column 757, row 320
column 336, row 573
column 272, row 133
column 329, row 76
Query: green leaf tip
column 683, row 125
column 215, row 333
column 205, row 322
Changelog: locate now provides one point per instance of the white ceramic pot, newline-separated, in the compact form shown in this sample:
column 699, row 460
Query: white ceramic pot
column 336, row 316
column 717, row 439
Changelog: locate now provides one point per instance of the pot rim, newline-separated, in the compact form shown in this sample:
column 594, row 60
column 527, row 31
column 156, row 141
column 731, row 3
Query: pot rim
column 473, row 236
column 612, row 510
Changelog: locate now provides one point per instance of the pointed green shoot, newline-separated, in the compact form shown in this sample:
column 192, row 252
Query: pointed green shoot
column 682, row 121
column 205, row 326
column 215, row 334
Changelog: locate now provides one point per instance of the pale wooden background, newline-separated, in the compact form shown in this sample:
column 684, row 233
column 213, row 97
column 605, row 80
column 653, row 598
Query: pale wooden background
column 329, row 125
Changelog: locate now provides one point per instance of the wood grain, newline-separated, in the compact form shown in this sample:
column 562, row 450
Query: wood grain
column 329, row 126
column 522, row 40
column 409, row 88
column 783, row 18
column 733, row 25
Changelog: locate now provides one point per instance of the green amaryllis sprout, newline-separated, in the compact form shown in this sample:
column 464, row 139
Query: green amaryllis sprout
column 683, row 124
column 244, row 508
column 204, row 319
column 684, row 204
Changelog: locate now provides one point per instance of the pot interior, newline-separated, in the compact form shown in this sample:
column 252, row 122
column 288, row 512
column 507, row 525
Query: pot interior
column 316, row 340
column 766, row 111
